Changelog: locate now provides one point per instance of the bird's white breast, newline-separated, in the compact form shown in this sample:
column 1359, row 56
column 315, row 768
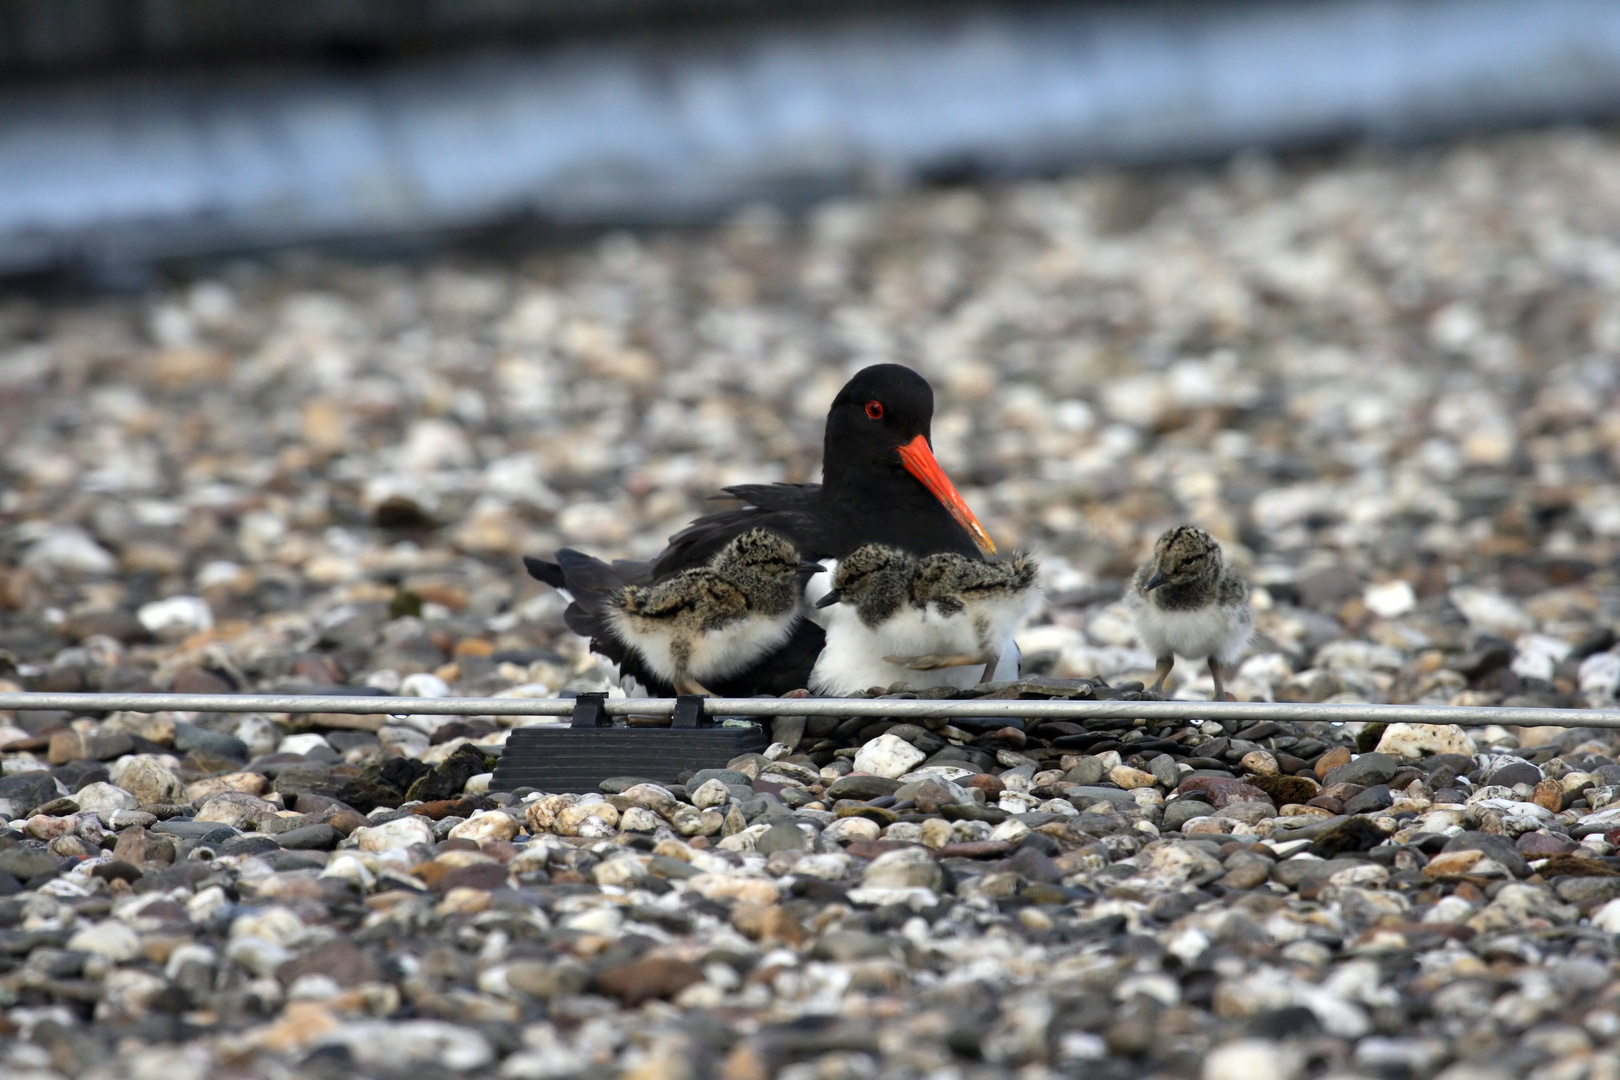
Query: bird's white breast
column 853, row 659
column 1196, row 633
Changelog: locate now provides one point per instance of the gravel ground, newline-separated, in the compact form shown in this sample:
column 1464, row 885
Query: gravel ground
column 1388, row 385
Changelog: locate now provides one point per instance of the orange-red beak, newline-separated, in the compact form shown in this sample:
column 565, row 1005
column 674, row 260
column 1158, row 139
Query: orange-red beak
column 919, row 461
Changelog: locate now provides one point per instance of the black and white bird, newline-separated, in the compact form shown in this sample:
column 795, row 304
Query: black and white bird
column 1187, row 602
column 880, row 484
column 696, row 626
column 944, row 620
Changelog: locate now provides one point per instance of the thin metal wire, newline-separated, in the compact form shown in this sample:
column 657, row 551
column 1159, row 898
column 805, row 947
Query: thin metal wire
column 894, row 708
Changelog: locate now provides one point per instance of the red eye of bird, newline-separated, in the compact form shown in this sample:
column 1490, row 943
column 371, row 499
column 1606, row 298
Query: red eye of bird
column 874, row 409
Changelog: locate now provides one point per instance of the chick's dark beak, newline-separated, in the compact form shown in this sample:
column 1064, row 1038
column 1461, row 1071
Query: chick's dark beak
column 810, row 567
column 1159, row 578
column 829, row 600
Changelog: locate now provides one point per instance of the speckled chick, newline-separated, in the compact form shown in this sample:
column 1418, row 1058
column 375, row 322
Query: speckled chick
column 939, row 621
column 712, row 621
column 1187, row 602
column 986, row 599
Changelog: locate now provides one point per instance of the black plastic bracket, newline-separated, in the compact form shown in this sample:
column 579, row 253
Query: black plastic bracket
column 689, row 712
column 590, row 711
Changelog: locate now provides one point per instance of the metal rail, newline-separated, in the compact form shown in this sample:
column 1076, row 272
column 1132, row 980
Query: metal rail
column 895, row 708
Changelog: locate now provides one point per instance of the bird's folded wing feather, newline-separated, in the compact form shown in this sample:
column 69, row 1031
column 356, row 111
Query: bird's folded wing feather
column 784, row 508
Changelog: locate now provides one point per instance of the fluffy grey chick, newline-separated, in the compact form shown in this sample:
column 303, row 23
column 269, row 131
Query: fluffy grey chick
column 712, row 621
column 938, row 621
column 979, row 604
column 1188, row 602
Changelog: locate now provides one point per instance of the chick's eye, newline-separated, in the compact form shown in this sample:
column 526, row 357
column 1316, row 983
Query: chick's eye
column 874, row 409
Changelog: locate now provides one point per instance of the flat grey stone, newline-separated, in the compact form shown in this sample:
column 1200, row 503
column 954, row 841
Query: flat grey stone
column 781, row 837
column 187, row 829
column 1181, row 811
column 862, row 786
column 1367, row 770
column 725, row 776
column 309, row 838
column 1291, row 872
column 25, row 863
column 1085, row 794
column 1373, row 799
column 191, row 737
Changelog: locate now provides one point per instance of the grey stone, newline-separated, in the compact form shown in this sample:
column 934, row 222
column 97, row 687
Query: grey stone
column 1291, row 872
column 614, row 785
column 725, row 776
column 23, row 792
column 1373, row 799
column 908, row 868
column 920, row 737
column 1499, row 848
column 1316, row 828
column 1088, row 770
column 1367, row 770
column 1181, row 811
column 1083, row 795
column 190, row 830
column 1508, row 771
column 25, row 863
column 192, row 737
column 1163, row 768
column 862, row 786
column 674, row 869
column 789, row 731
column 309, row 838
column 783, row 837
column 1578, row 890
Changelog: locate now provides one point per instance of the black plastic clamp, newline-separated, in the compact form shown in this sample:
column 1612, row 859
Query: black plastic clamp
column 689, row 712
column 590, row 711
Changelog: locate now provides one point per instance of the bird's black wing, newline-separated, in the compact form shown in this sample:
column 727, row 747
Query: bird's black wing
column 548, row 572
column 788, row 509
column 595, row 586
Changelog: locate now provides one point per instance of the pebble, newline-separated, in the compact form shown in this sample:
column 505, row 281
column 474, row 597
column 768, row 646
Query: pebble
column 314, row 474
column 888, row 756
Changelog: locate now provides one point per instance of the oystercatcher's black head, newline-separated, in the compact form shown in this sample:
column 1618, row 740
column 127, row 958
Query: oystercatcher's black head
column 877, row 450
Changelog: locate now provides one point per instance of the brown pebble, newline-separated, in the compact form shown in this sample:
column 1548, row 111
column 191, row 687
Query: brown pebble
column 985, row 782
column 1247, row 876
column 346, row 821
column 644, row 980
column 1570, row 865
column 978, row 849
column 1537, row 845
column 767, row 923
column 1549, row 795
column 141, row 848
column 1332, row 759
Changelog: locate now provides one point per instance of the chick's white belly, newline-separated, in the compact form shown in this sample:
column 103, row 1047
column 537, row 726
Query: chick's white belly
column 853, row 659
column 1003, row 614
column 1203, row 632
column 716, row 654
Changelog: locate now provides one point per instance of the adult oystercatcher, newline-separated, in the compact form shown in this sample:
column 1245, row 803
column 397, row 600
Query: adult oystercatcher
column 880, row 484
column 941, row 620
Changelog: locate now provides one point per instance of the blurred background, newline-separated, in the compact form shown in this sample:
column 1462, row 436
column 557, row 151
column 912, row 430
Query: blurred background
column 140, row 129
column 315, row 315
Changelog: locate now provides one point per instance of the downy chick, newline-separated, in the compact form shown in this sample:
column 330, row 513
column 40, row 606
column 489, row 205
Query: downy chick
column 1187, row 602
column 985, row 599
column 710, row 622
column 939, row 621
